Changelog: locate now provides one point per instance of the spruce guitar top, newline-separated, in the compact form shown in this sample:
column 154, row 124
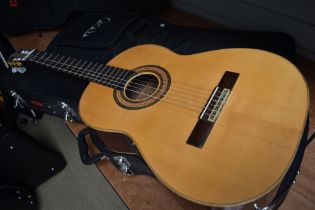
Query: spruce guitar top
column 220, row 128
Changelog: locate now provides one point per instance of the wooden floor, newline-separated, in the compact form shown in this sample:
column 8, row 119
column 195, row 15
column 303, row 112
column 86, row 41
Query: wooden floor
column 302, row 194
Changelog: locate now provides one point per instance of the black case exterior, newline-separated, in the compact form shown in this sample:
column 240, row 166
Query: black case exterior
column 101, row 36
column 124, row 30
column 18, row 16
column 23, row 161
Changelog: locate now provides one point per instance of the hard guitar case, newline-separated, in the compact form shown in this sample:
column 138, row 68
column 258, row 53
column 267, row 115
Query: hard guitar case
column 101, row 36
column 106, row 35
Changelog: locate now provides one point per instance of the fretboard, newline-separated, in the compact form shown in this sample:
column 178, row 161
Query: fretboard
column 109, row 76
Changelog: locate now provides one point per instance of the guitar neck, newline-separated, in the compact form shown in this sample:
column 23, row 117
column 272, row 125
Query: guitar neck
column 106, row 75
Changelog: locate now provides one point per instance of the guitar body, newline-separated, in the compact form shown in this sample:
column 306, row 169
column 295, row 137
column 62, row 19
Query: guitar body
column 252, row 142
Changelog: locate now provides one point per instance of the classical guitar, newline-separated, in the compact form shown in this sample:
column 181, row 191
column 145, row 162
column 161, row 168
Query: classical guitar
column 220, row 128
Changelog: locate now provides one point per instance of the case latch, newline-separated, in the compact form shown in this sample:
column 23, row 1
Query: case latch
column 123, row 165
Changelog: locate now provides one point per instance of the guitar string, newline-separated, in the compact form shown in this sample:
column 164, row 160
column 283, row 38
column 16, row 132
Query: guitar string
column 106, row 79
column 90, row 72
column 177, row 82
column 150, row 96
column 115, row 80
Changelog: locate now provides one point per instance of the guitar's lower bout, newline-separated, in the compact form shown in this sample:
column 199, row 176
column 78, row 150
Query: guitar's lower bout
column 146, row 88
column 252, row 142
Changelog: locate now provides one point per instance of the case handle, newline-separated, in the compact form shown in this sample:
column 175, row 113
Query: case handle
column 104, row 153
column 83, row 149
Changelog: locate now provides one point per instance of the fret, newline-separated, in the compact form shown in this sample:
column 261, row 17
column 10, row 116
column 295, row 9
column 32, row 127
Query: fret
column 54, row 61
column 79, row 69
column 73, row 68
column 90, row 73
column 36, row 53
column 46, row 61
column 69, row 65
column 100, row 73
column 84, row 70
column 111, row 70
column 36, row 58
column 105, row 74
column 114, row 77
column 124, row 78
column 110, row 76
column 58, row 63
column 41, row 57
column 51, row 60
column 88, row 68
column 62, row 64
column 118, row 80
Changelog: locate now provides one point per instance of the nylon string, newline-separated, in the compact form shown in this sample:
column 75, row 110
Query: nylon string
column 109, row 79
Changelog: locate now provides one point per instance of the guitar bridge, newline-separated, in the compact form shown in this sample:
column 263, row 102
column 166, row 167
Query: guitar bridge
column 218, row 101
column 212, row 109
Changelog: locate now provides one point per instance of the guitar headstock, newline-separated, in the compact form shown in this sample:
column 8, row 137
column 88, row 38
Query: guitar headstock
column 16, row 59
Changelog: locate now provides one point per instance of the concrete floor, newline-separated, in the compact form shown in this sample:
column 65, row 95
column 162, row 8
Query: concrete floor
column 78, row 186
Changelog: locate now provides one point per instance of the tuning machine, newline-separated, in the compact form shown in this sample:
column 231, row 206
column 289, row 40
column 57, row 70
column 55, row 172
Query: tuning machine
column 16, row 66
column 16, row 60
column 19, row 102
column 18, row 69
column 68, row 112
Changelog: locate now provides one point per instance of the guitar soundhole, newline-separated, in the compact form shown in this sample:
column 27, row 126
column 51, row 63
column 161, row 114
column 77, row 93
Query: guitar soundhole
column 146, row 88
column 141, row 87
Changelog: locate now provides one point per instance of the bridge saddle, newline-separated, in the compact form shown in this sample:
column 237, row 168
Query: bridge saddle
column 218, row 104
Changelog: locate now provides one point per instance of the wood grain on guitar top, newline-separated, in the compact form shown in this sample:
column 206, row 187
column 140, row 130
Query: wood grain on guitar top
column 252, row 142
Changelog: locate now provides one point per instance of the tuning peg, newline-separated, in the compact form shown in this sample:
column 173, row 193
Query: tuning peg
column 22, row 70
column 25, row 52
column 15, row 64
column 14, row 70
column 18, row 69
